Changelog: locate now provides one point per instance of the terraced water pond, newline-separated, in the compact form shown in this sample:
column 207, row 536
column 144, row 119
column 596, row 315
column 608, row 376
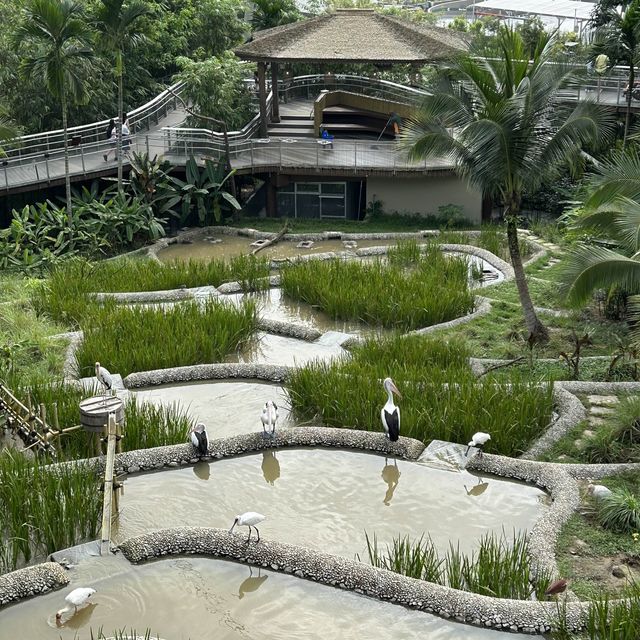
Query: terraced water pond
column 197, row 598
column 227, row 408
column 326, row 499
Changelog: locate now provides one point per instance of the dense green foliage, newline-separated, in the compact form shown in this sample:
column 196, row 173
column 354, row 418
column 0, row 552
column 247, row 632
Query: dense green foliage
column 441, row 399
column 43, row 511
column 435, row 288
column 620, row 511
column 499, row 568
column 129, row 339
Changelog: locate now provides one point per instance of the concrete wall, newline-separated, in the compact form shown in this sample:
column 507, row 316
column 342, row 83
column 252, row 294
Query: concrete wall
column 424, row 195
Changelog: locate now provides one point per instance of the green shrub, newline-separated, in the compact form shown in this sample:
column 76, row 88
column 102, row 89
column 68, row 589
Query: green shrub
column 434, row 290
column 128, row 339
column 615, row 619
column 620, row 511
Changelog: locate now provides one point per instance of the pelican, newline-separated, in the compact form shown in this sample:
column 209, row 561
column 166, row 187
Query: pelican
column 199, row 439
column 390, row 414
column 478, row 440
column 105, row 379
column 598, row 491
column 269, row 418
column 76, row 598
column 249, row 519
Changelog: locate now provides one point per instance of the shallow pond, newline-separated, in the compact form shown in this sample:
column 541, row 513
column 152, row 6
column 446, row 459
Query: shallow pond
column 232, row 246
column 326, row 499
column 199, row 598
column 268, row 348
column 227, row 408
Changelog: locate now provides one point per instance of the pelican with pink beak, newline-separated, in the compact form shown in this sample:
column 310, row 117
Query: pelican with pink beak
column 390, row 413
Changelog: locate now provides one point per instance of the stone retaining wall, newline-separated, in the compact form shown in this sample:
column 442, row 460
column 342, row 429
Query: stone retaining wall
column 462, row 606
column 32, row 581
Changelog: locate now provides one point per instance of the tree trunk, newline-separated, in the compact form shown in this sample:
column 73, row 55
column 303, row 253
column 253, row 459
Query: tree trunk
column 120, row 123
column 67, row 176
column 262, row 97
column 537, row 331
column 627, row 121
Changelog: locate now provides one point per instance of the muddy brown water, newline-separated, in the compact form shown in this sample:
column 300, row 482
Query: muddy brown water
column 201, row 598
column 326, row 499
column 226, row 408
column 232, row 246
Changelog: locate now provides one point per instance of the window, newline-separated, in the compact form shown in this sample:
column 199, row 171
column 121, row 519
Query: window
column 313, row 200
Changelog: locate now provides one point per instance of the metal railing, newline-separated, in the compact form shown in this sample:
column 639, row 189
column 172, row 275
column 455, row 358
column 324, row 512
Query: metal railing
column 140, row 119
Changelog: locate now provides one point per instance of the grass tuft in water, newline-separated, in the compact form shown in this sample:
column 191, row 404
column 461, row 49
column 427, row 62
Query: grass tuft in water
column 128, row 339
column 499, row 568
column 434, row 290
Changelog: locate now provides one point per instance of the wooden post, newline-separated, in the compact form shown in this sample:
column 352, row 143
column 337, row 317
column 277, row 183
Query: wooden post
column 56, row 424
column 105, row 540
column 275, row 106
column 43, row 417
column 262, row 96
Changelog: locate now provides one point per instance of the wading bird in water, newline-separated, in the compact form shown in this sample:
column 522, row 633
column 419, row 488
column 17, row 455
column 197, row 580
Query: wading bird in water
column 105, row 379
column 249, row 519
column 199, row 439
column 75, row 599
column 269, row 418
column 478, row 440
column 390, row 413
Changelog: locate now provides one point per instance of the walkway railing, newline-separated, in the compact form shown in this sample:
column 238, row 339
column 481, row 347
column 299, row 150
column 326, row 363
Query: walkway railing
column 140, row 119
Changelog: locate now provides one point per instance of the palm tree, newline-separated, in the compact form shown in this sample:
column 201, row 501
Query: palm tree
column 56, row 36
column 499, row 120
column 618, row 35
column 116, row 23
column 8, row 130
column 610, row 213
column 273, row 13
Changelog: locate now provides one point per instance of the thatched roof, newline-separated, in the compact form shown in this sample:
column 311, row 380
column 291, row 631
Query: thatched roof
column 353, row 35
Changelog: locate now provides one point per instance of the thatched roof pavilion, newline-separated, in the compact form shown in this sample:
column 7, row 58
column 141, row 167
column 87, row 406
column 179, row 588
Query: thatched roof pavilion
column 355, row 36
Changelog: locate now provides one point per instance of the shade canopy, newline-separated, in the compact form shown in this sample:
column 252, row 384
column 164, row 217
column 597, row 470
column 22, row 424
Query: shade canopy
column 355, row 36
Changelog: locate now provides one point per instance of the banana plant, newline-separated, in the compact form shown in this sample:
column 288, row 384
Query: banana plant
column 203, row 191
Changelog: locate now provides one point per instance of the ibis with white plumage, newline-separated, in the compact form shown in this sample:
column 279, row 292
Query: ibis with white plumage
column 104, row 378
column 478, row 440
column 75, row 599
column 269, row 418
column 249, row 519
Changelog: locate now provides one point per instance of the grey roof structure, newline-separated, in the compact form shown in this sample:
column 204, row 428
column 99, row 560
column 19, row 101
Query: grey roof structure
column 356, row 36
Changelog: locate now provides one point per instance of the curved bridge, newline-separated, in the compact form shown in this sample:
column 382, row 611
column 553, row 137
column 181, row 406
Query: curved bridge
column 37, row 161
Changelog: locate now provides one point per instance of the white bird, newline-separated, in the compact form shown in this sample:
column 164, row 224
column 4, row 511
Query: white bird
column 76, row 599
column 269, row 418
column 390, row 413
column 199, row 438
column 478, row 440
column 598, row 491
column 104, row 378
column 249, row 519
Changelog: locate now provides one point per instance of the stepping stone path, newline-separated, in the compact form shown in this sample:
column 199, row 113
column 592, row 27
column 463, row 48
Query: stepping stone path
column 599, row 408
column 550, row 246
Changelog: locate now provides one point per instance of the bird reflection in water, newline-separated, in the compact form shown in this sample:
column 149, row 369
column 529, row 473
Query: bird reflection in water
column 270, row 467
column 79, row 619
column 202, row 470
column 478, row 488
column 250, row 584
column 390, row 474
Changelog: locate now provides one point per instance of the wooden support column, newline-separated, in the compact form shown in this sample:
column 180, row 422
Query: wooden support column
column 262, row 96
column 275, row 105
column 272, row 202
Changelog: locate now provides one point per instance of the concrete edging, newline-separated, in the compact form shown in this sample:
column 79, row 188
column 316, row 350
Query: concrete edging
column 31, row 581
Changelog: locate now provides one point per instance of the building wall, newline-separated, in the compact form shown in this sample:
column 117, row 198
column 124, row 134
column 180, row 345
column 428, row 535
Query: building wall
column 424, row 195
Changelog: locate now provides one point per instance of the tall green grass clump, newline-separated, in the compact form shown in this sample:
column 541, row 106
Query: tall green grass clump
column 128, row 339
column 434, row 290
column 441, row 397
column 42, row 511
column 404, row 253
column 615, row 619
column 147, row 425
column 65, row 294
column 499, row 568
column 620, row 511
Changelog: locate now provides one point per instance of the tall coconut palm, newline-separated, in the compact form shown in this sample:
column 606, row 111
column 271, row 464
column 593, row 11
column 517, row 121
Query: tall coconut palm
column 117, row 23
column 499, row 120
column 8, row 130
column 618, row 35
column 55, row 37
column 610, row 213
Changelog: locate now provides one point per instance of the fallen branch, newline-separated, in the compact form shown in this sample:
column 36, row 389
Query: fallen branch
column 493, row 367
column 273, row 240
